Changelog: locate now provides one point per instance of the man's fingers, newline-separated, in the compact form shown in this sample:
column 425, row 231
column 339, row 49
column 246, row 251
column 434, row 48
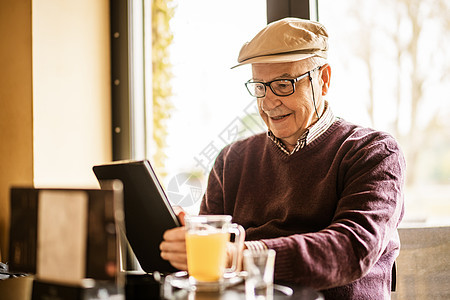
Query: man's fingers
column 181, row 217
column 175, row 234
column 179, row 211
column 175, row 257
column 173, row 252
column 176, row 247
column 179, row 266
column 173, row 247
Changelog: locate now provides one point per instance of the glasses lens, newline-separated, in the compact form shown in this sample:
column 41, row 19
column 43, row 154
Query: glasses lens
column 282, row 87
column 256, row 89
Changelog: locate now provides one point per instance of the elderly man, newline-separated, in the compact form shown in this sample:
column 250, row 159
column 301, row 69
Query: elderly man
column 326, row 194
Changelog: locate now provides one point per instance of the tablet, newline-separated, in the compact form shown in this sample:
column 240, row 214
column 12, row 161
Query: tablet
column 148, row 213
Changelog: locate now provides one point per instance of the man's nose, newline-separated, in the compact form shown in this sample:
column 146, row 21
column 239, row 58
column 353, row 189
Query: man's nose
column 270, row 101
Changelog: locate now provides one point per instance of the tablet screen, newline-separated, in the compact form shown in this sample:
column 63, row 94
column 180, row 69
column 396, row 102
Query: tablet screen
column 148, row 213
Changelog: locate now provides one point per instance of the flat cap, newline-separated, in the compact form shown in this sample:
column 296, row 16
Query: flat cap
column 285, row 40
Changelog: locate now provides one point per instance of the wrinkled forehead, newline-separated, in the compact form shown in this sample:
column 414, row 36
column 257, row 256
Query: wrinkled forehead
column 274, row 70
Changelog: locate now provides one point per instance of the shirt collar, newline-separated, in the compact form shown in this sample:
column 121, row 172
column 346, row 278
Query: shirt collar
column 311, row 133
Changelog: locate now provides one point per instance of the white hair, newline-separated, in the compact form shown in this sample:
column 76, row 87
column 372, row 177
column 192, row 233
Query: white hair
column 316, row 61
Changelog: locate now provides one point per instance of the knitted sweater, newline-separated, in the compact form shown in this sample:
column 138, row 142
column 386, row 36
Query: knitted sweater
column 330, row 210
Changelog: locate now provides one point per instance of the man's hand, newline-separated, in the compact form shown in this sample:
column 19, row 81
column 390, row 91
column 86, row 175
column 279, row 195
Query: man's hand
column 173, row 247
column 232, row 251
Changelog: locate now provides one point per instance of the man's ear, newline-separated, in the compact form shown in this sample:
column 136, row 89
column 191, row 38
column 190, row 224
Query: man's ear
column 325, row 78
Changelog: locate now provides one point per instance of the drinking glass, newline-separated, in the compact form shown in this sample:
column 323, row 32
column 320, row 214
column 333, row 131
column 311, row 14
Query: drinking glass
column 207, row 240
column 259, row 266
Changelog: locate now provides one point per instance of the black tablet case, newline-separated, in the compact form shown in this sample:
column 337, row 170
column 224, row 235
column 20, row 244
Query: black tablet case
column 148, row 213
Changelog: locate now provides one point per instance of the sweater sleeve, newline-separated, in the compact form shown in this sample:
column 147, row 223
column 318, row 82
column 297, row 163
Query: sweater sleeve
column 369, row 209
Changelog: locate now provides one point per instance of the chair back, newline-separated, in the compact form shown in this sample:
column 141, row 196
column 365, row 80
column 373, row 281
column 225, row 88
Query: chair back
column 423, row 265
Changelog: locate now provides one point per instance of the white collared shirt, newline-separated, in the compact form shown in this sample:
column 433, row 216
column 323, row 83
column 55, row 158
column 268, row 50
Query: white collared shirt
column 325, row 121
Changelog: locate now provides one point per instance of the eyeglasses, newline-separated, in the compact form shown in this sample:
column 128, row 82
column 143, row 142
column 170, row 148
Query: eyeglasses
column 280, row 87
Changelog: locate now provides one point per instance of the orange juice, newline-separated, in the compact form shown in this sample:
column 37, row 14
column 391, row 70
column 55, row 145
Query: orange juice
column 206, row 255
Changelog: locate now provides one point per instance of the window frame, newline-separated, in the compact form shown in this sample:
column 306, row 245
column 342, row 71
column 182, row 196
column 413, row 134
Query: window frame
column 131, row 92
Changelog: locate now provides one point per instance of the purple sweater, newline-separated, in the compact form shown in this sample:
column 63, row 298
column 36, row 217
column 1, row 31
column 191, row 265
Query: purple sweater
column 330, row 211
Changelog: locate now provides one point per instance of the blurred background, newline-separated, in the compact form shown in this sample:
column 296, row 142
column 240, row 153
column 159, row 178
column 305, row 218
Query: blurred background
column 390, row 71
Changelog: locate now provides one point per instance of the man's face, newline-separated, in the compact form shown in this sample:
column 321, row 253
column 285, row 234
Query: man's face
column 288, row 117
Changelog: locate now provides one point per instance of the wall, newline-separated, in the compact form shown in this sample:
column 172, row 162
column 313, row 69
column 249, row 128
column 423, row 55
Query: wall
column 16, row 106
column 71, row 71
column 54, row 95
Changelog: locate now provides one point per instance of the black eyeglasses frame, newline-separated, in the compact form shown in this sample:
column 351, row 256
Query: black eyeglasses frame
column 269, row 84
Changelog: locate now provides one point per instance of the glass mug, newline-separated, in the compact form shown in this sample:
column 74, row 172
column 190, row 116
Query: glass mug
column 207, row 239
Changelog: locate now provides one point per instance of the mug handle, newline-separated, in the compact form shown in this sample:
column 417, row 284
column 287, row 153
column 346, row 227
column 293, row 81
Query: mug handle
column 239, row 234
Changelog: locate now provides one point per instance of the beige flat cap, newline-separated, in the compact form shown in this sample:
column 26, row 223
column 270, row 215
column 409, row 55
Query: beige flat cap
column 285, row 40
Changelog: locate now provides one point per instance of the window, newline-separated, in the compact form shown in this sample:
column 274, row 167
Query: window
column 390, row 71
column 211, row 105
